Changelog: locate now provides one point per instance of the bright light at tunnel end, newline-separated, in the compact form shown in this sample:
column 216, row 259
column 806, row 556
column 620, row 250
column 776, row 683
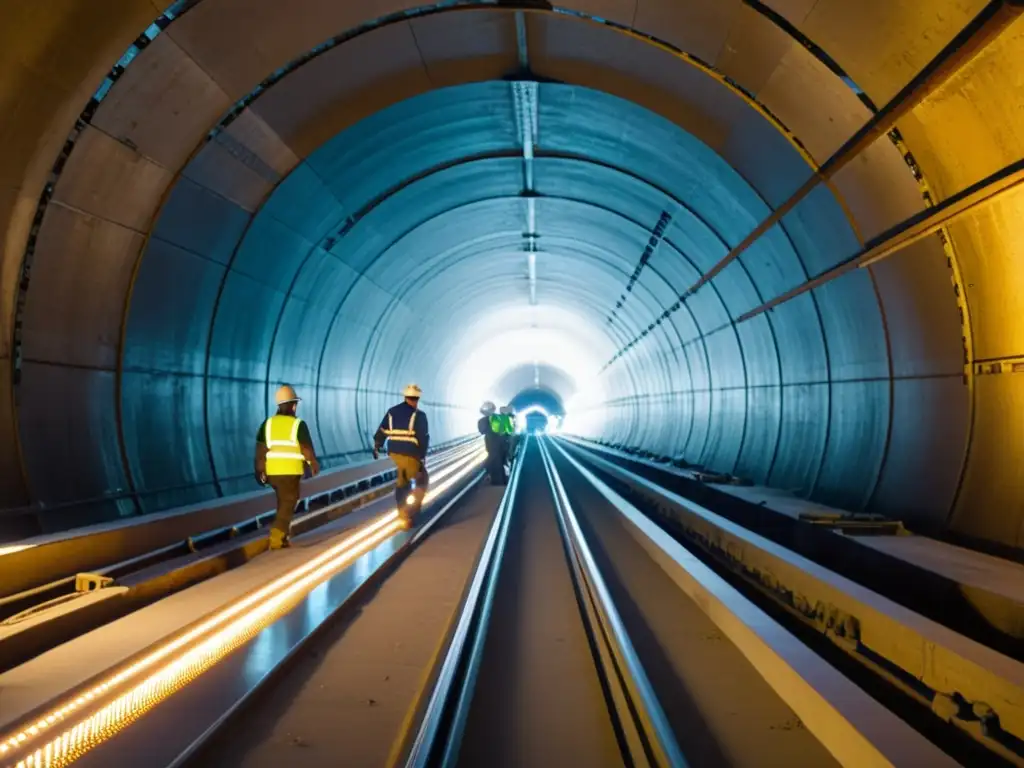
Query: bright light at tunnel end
column 477, row 374
column 200, row 648
column 552, row 422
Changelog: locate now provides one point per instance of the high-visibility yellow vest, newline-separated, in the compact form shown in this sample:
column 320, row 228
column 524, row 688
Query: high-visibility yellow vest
column 496, row 426
column 284, row 454
column 402, row 435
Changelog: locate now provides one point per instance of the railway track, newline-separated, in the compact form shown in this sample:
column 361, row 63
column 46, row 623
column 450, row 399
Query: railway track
column 552, row 621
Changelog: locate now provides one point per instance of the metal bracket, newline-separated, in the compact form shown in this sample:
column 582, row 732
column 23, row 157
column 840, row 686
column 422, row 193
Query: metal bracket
column 91, row 582
column 855, row 523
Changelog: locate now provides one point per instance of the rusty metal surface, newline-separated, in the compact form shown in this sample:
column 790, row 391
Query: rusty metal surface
column 994, row 302
column 904, row 36
column 993, row 473
column 269, row 34
column 598, row 57
column 892, row 197
column 162, row 104
column 794, row 10
column 754, row 49
column 482, row 41
column 343, row 85
column 696, row 27
column 110, row 180
column 822, row 123
column 977, row 103
column 621, row 11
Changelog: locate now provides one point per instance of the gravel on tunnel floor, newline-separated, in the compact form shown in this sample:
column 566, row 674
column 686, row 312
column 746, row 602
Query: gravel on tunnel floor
column 722, row 711
column 345, row 699
column 538, row 699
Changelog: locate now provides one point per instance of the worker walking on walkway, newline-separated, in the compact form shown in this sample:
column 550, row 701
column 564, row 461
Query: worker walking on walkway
column 508, row 430
column 407, row 433
column 283, row 449
column 490, row 427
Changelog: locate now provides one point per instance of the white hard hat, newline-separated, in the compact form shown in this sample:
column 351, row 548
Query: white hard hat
column 286, row 394
column 412, row 391
column 487, row 408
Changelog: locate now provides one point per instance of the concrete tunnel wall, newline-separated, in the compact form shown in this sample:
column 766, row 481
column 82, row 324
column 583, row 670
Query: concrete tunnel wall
column 175, row 252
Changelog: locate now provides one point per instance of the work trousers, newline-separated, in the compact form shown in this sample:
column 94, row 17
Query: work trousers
column 496, row 454
column 409, row 468
column 286, row 488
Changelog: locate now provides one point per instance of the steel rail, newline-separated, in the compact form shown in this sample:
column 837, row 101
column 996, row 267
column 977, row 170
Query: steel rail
column 855, row 727
column 648, row 736
column 440, row 731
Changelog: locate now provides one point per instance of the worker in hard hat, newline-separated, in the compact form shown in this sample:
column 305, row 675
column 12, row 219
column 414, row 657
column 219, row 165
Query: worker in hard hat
column 407, row 433
column 489, row 426
column 284, row 448
column 508, row 429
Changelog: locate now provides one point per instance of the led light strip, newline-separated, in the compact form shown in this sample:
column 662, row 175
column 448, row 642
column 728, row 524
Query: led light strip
column 132, row 704
column 454, row 453
column 260, row 606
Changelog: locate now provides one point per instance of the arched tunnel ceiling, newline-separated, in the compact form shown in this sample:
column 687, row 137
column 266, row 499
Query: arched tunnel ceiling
column 550, row 382
column 181, row 308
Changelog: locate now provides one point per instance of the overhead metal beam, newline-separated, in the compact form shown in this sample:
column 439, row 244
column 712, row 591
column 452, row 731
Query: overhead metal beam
column 910, row 230
column 532, row 260
column 522, row 43
column 995, row 366
column 525, row 99
column 993, row 19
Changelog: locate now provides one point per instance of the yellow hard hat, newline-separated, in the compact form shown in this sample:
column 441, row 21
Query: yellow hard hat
column 286, row 394
column 412, row 391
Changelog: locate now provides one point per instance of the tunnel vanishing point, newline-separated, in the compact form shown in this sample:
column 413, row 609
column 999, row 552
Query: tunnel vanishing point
column 780, row 240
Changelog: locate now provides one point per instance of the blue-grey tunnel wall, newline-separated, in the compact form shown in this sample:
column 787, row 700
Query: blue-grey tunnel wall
column 196, row 269
column 225, row 306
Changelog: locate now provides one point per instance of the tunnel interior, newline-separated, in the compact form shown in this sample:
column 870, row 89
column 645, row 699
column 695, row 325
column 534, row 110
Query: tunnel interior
column 495, row 202
column 538, row 408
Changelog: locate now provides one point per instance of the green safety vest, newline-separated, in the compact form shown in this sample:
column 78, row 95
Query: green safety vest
column 508, row 426
column 496, row 425
column 284, row 454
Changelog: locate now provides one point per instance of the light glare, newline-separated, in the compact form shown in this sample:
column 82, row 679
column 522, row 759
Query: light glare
column 224, row 631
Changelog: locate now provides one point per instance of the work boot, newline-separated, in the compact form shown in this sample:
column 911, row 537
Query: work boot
column 278, row 539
